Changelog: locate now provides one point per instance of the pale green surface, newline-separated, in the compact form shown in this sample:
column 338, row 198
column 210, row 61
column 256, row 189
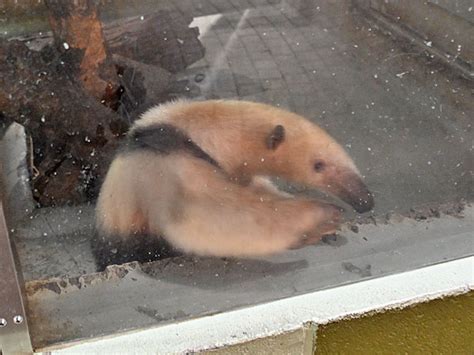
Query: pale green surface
column 443, row 326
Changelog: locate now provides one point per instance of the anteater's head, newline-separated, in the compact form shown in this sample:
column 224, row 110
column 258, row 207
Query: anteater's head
column 302, row 152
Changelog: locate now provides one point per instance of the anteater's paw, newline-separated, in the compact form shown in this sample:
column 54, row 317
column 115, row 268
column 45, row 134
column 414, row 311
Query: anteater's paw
column 326, row 221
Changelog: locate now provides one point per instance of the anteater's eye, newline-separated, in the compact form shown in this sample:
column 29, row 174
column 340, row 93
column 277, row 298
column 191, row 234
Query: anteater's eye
column 319, row 166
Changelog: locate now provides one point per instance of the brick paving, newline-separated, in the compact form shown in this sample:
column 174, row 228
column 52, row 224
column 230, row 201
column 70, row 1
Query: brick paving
column 387, row 102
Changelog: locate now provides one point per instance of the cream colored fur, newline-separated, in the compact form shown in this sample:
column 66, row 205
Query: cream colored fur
column 233, row 133
column 237, row 211
column 200, row 211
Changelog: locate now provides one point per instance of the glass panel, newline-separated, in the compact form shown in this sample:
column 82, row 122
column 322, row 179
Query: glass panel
column 392, row 95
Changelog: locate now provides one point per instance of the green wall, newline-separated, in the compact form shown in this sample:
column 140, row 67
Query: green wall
column 444, row 326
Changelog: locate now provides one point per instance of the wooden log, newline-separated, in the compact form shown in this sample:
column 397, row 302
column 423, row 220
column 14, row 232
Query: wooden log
column 54, row 92
column 163, row 38
column 76, row 25
column 71, row 135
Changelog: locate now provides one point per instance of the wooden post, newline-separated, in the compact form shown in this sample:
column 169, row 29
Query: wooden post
column 76, row 26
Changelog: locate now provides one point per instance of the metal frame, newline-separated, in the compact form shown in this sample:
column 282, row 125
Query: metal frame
column 14, row 335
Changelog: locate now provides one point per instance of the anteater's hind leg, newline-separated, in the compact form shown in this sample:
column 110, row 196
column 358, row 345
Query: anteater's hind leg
column 220, row 218
column 198, row 210
column 122, row 233
column 263, row 183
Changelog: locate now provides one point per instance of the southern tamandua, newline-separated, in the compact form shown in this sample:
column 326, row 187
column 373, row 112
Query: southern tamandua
column 195, row 174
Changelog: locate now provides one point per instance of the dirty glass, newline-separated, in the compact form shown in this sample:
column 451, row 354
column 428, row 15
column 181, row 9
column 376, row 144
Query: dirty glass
column 390, row 81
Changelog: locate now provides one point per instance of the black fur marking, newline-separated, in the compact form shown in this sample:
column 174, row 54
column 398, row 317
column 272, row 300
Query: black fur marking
column 276, row 137
column 165, row 139
column 116, row 250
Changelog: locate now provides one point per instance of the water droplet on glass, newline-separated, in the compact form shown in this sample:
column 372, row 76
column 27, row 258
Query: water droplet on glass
column 400, row 75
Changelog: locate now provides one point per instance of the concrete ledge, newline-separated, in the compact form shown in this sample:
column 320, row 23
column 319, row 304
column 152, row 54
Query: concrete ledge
column 322, row 307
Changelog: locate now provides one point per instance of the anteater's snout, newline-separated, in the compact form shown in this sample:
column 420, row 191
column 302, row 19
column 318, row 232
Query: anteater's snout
column 353, row 191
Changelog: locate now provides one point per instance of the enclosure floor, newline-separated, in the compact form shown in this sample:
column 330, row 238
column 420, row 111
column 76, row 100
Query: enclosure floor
column 405, row 119
column 176, row 289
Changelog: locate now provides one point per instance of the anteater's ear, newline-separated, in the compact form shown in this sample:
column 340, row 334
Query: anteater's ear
column 275, row 137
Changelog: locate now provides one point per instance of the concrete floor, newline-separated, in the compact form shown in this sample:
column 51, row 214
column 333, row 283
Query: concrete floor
column 406, row 120
column 130, row 297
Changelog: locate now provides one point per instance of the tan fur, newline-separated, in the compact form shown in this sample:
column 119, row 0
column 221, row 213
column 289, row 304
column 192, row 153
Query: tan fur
column 218, row 217
column 233, row 133
column 237, row 211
